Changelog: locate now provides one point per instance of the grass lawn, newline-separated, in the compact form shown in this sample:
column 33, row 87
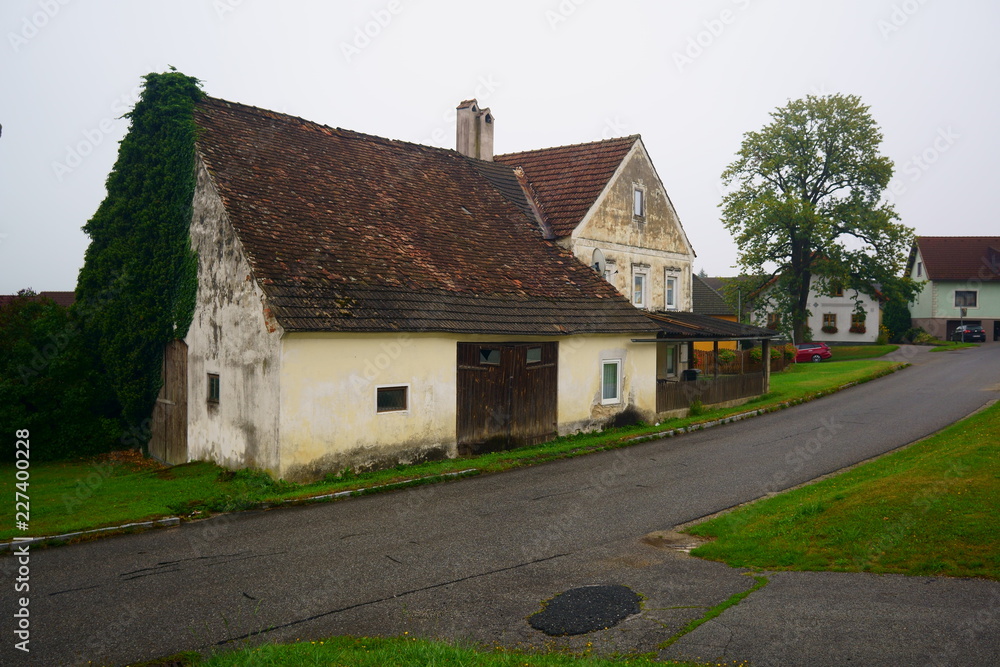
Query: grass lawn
column 945, row 346
column 406, row 651
column 929, row 509
column 109, row 491
column 846, row 352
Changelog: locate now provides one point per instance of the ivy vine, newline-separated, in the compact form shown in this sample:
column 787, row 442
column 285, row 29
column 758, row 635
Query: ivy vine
column 136, row 290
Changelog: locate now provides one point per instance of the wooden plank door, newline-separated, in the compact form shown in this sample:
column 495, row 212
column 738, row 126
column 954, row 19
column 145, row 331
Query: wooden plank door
column 507, row 395
column 168, row 441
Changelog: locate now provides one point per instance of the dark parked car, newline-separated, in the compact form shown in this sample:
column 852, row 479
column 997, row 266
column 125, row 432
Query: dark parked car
column 969, row 333
column 812, row 352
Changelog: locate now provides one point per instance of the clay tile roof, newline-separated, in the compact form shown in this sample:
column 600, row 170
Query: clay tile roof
column 568, row 179
column 64, row 299
column 960, row 257
column 352, row 232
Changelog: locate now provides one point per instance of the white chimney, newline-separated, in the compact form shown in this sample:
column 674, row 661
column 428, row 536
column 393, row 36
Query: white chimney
column 474, row 131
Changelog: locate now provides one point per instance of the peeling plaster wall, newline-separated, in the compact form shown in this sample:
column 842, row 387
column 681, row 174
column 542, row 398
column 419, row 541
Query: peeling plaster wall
column 232, row 334
column 655, row 243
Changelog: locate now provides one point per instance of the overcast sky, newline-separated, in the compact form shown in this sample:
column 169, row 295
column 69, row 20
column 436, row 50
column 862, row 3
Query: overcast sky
column 689, row 77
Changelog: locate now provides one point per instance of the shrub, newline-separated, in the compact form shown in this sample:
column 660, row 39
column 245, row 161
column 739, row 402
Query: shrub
column 51, row 383
column 756, row 354
column 726, row 356
column 789, row 351
column 697, row 408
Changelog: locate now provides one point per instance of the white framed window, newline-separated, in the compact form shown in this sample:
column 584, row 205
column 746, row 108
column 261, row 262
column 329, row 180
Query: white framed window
column 967, row 298
column 392, row 398
column 640, row 287
column 638, row 203
column 670, row 298
column 611, row 381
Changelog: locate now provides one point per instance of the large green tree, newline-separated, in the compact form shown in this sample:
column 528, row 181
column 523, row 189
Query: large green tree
column 806, row 205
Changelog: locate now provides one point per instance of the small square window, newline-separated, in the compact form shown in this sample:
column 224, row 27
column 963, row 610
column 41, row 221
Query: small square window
column 534, row 355
column 611, row 381
column 489, row 356
column 391, row 399
column 638, row 203
column 966, row 299
column 213, row 388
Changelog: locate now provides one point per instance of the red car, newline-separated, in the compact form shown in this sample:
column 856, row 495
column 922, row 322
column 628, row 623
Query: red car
column 812, row 352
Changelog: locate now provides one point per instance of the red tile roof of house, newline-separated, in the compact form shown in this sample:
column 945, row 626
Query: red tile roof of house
column 567, row 180
column 959, row 257
column 64, row 299
column 352, row 232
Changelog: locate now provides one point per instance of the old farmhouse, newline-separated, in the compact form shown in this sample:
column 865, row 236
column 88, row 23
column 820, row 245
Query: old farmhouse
column 364, row 301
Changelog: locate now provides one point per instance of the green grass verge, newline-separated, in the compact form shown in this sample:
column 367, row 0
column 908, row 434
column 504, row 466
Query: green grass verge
column 80, row 495
column 928, row 509
column 847, row 352
column 407, row 651
column 716, row 610
column 952, row 345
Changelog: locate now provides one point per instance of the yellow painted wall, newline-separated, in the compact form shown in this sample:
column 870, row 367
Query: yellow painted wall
column 723, row 345
column 328, row 418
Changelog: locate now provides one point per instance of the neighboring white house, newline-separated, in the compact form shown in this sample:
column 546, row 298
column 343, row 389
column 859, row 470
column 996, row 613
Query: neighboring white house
column 845, row 317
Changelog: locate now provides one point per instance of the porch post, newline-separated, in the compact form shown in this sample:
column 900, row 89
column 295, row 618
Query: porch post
column 765, row 357
column 715, row 359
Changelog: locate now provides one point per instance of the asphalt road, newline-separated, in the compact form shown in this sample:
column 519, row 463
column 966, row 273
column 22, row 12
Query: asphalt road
column 471, row 559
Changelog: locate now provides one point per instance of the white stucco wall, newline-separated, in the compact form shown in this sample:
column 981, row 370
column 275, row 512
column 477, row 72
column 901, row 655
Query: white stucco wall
column 232, row 335
column 328, row 411
column 843, row 307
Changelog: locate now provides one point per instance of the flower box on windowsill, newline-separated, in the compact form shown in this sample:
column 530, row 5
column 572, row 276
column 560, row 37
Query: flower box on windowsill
column 829, row 330
column 858, row 329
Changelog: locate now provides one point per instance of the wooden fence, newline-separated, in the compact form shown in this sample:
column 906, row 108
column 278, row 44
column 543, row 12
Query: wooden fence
column 741, row 364
column 672, row 395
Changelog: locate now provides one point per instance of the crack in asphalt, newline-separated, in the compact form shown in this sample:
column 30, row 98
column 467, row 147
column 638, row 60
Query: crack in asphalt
column 387, row 598
column 169, row 566
column 74, row 590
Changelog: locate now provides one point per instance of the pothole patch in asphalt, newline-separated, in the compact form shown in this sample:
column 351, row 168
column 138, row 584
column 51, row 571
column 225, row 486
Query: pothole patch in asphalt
column 582, row 610
column 671, row 539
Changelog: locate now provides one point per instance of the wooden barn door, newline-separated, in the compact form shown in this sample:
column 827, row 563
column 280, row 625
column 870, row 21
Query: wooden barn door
column 507, row 395
column 168, row 441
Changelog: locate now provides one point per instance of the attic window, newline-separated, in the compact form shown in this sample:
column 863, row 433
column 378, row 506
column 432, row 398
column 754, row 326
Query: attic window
column 638, row 203
column 920, row 269
column 489, row 118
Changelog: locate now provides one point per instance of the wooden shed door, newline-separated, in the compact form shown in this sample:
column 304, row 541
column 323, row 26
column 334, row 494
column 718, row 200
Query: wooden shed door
column 507, row 395
column 168, row 441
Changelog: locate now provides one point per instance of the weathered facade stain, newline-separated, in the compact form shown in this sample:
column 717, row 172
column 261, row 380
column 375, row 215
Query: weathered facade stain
column 654, row 243
column 229, row 336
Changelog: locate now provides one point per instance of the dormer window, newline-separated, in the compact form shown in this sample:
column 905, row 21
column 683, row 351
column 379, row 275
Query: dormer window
column 638, row 203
